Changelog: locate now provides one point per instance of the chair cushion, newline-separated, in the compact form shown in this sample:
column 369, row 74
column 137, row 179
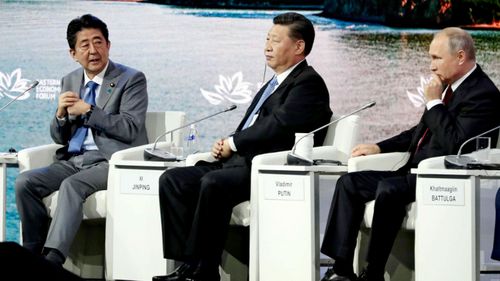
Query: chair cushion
column 241, row 214
column 93, row 208
column 408, row 223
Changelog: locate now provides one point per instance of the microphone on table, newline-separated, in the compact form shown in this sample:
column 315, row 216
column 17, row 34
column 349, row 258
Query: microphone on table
column 464, row 162
column 33, row 85
column 154, row 154
column 294, row 159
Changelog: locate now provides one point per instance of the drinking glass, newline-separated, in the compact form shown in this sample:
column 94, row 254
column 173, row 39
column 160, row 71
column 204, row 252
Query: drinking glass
column 483, row 145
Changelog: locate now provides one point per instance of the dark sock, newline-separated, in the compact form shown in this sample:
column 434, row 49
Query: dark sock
column 209, row 270
column 192, row 263
column 374, row 270
column 342, row 267
column 209, row 265
column 55, row 256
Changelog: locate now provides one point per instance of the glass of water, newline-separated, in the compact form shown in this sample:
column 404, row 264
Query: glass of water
column 483, row 145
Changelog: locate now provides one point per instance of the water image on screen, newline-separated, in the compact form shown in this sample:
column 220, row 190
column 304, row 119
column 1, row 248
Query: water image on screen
column 201, row 61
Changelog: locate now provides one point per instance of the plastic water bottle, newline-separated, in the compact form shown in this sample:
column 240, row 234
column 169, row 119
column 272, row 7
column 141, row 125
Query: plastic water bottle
column 192, row 140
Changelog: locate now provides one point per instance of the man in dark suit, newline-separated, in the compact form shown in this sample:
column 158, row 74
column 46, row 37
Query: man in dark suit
column 469, row 107
column 101, row 109
column 196, row 202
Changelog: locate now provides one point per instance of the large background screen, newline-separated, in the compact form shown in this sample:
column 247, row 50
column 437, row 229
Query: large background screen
column 200, row 61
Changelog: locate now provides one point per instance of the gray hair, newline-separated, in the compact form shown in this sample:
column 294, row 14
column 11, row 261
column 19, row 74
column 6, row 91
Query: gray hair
column 459, row 39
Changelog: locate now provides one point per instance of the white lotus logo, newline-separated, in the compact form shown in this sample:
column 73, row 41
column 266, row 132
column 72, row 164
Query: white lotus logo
column 418, row 99
column 13, row 83
column 232, row 89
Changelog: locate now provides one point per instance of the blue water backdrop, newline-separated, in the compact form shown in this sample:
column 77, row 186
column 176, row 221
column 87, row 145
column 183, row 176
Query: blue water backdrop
column 200, row 61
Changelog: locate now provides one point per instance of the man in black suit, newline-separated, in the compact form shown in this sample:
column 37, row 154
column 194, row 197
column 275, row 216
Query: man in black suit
column 196, row 202
column 469, row 107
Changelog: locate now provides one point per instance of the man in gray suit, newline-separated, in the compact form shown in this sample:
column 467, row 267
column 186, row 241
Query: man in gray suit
column 101, row 109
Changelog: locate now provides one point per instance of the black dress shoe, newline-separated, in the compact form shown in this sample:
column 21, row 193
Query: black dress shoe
column 179, row 274
column 204, row 274
column 366, row 276
column 331, row 275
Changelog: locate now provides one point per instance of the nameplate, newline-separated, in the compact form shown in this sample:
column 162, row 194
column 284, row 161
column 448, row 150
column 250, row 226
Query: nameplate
column 444, row 193
column 139, row 182
column 288, row 188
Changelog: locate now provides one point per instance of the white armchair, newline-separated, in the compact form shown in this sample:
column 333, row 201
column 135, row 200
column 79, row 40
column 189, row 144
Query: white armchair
column 340, row 139
column 86, row 257
column 400, row 265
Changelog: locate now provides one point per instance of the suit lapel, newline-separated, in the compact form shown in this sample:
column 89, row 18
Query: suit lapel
column 282, row 88
column 252, row 105
column 108, row 85
column 419, row 132
column 296, row 71
column 464, row 88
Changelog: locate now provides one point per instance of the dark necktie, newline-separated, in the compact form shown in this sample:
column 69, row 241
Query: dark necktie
column 267, row 92
column 447, row 95
column 76, row 142
column 446, row 100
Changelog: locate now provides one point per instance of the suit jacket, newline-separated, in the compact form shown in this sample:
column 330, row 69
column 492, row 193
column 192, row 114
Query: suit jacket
column 301, row 103
column 473, row 109
column 118, row 119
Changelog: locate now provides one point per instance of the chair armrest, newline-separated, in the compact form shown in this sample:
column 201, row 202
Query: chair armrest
column 272, row 158
column 432, row 163
column 136, row 153
column 204, row 156
column 319, row 152
column 495, row 155
column 329, row 153
column 37, row 157
column 378, row 162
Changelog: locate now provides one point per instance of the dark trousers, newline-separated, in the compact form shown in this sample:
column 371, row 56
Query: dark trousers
column 495, row 254
column 196, row 205
column 392, row 192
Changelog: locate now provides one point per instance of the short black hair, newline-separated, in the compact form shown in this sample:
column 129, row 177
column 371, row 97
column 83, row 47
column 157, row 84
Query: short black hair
column 85, row 21
column 300, row 28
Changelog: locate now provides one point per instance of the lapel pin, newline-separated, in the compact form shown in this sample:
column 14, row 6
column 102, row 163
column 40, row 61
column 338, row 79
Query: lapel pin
column 112, row 85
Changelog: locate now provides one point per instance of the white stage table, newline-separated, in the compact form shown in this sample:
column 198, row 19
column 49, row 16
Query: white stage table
column 134, row 248
column 284, row 229
column 447, row 225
